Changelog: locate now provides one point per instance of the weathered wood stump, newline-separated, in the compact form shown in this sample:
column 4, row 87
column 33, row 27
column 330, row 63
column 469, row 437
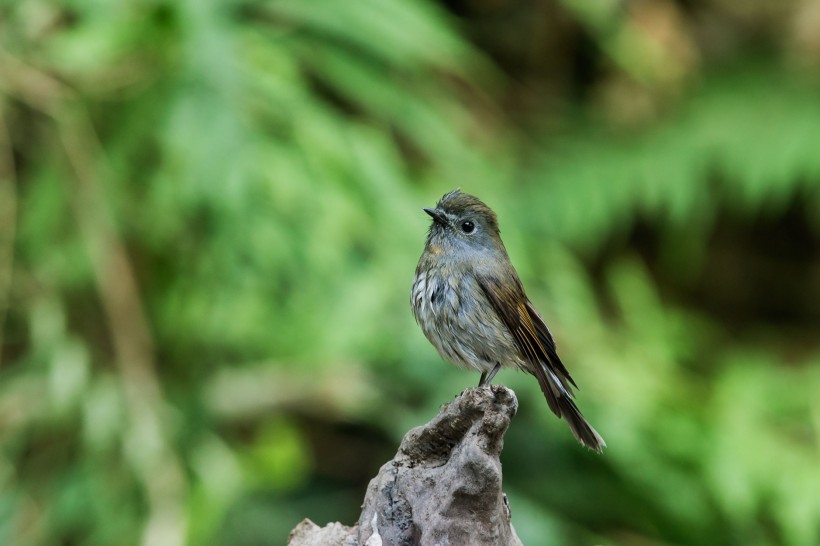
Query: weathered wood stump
column 443, row 487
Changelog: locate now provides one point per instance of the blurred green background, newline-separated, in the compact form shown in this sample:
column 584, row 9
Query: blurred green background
column 210, row 215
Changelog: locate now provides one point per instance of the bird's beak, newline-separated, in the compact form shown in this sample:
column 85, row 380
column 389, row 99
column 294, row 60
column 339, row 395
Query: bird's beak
column 438, row 216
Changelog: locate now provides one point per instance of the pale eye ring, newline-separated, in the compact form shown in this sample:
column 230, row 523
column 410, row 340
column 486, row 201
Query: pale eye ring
column 467, row 226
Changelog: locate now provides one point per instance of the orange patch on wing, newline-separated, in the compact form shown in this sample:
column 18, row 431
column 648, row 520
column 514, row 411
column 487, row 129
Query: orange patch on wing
column 528, row 334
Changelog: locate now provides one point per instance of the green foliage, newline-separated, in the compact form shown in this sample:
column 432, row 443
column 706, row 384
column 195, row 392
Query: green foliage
column 210, row 220
column 751, row 156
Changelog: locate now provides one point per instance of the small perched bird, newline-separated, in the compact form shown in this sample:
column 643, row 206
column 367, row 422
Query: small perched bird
column 469, row 302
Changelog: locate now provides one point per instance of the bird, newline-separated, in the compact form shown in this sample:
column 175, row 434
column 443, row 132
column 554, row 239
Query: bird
column 470, row 303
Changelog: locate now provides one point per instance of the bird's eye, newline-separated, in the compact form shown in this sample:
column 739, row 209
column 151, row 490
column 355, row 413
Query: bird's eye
column 467, row 227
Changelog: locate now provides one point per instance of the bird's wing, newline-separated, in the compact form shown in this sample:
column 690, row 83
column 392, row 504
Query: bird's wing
column 527, row 327
column 537, row 346
column 545, row 336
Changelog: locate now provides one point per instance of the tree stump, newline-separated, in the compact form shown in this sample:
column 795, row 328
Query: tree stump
column 443, row 487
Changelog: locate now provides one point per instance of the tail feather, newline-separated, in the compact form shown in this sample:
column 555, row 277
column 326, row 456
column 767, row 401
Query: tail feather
column 579, row 426
column 561, row 403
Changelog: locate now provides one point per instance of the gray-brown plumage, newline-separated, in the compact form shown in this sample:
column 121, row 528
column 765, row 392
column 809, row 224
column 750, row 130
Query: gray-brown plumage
column 470, row 304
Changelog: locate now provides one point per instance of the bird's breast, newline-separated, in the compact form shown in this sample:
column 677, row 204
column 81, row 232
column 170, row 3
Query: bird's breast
column 458, row 320
column 435, row 295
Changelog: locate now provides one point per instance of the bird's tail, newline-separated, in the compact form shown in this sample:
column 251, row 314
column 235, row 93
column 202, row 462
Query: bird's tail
column 579, row 426
column 559, row 398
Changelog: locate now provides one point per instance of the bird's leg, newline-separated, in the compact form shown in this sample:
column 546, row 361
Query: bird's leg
column 485, row 379
column 493, row 372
